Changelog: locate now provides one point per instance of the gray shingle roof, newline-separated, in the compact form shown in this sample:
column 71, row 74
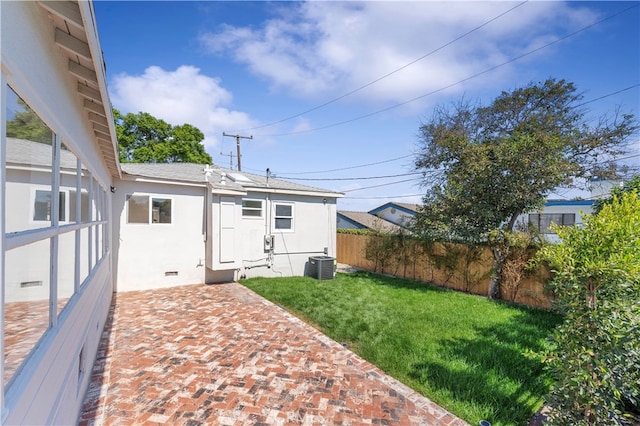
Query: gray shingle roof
column 370, row 221
column 26, row 152
column 408, row 206
column 188, row 172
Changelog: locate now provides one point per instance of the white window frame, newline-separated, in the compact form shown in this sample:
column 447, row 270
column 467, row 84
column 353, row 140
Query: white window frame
column 276, row 217
column 548, row 230
column 151, row 198
column 51, row 231
column 259, row 209
column 32, row 212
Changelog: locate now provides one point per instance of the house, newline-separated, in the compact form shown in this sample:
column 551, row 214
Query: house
column 566, row 212
column 398, row 213
column 560, row 212
column 210, row 224
column 363, row 220
column 77, row 225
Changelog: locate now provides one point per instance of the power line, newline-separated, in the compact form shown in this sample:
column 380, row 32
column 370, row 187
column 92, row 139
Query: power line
column 456, row 83
column 354, row 178
column 613, row 160
column 350, row 167
column 390, row 73
column 408, row 180
column 608, row 95
column 377, row 186
column 383, row 198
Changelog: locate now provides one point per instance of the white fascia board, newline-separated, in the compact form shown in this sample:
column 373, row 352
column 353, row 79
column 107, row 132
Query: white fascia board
column 130, row 178
column 171, row 182
column 295, row 192
column 219, row 191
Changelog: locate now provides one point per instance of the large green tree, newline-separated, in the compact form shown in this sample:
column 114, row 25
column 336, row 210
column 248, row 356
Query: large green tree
column 143, row 138
column 485, row 165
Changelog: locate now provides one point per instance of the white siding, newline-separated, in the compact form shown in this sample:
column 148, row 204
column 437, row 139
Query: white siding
column 50, row 389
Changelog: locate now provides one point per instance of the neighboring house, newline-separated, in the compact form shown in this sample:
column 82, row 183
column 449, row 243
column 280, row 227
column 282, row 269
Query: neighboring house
column 363, row 220
column 560, row 212
column 566, row 212
column 399, row 213
column 77, row 225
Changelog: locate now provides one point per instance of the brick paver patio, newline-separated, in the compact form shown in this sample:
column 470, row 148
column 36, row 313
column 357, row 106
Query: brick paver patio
column 222, row 355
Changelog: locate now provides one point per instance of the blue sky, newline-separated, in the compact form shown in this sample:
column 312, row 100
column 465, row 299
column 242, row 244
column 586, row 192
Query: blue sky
column 279, row 71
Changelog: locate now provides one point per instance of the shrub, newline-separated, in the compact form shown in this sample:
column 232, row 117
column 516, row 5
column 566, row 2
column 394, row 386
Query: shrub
column 596, row 355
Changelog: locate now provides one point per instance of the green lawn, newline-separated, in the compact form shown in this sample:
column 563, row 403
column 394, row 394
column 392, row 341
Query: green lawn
column 477, row 358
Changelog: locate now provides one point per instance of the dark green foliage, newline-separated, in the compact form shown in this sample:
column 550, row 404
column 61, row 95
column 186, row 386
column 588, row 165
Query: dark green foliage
column 596, row 356
column 484, row 166
column 143, row 138
column 353, row 231
column 27, row 125
column 387, row 248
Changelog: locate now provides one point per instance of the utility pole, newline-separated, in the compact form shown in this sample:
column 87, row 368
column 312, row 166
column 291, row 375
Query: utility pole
column 230, row 155
column 238, row 137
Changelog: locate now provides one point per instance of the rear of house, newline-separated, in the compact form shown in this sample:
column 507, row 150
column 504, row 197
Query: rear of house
column 190, row 223
column 76, row 226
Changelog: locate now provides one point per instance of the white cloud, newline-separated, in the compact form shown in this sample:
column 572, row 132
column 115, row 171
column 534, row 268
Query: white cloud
column 181, row 96
column 314, row 49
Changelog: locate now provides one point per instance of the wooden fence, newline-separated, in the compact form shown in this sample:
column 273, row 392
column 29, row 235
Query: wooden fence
column 456, row 266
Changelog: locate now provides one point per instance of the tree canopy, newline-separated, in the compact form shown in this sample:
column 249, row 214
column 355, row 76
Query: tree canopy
column 485, row 165
column 143, row 138
column 26, row 124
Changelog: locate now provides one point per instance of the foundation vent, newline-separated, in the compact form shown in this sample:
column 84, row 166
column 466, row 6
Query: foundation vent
column 26, row 284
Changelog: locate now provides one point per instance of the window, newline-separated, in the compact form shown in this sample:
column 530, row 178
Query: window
column 284, row 216
column 542, row 222
column 44, row 261
column 138, row 209
column 42, row 206
column 143, row 211
column 84, row 206
column 252, row 208
column 161, row 210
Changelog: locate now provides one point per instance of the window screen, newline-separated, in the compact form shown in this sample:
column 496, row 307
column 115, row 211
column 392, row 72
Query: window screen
column 284, row 216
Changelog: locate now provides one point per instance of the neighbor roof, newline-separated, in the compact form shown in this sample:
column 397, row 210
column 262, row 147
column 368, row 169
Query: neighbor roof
column 370, row 221
column 411, row 209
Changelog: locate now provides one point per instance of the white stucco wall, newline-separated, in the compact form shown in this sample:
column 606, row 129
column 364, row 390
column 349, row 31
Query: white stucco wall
column 50, row 387
column 20, row 189
column 578, row 210
column 314, row 229
column 148, row 255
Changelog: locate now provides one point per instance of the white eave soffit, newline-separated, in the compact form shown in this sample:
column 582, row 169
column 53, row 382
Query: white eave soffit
column 74, row 42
